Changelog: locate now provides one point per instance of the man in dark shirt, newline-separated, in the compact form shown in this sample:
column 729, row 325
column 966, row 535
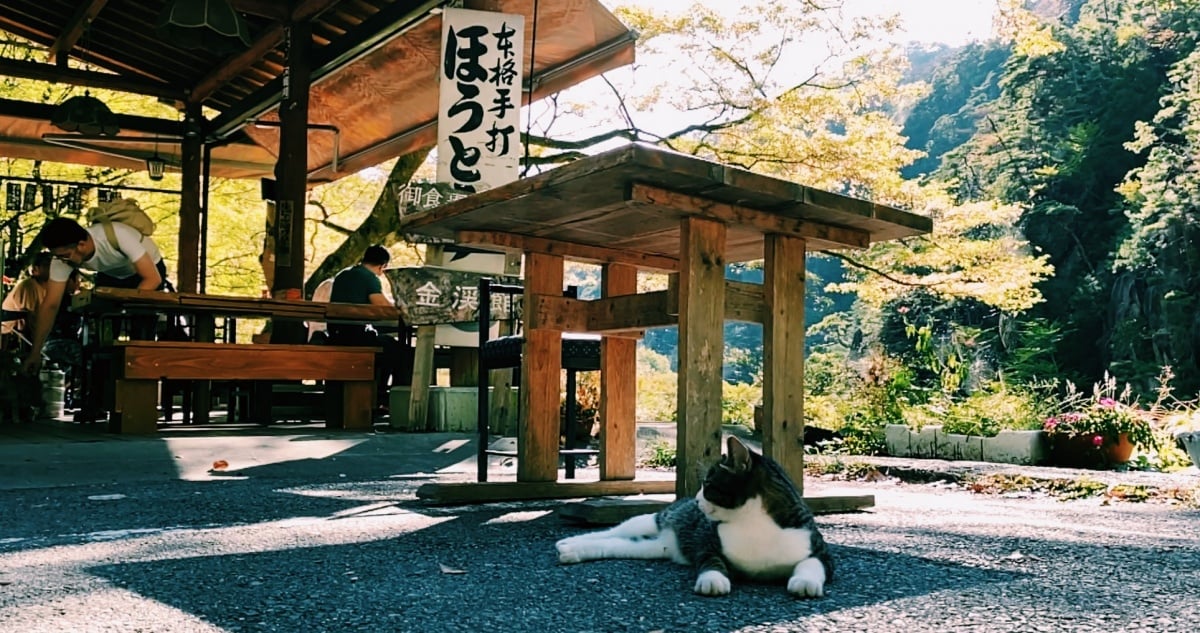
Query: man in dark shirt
column 361, row 284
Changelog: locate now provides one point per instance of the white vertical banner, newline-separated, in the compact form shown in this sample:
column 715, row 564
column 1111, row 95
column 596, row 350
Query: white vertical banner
column 479, row 111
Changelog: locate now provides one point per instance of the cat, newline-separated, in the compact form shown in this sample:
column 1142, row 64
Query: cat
column 748, row 519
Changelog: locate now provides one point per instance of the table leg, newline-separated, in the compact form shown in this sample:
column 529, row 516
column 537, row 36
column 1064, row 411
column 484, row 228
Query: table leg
column 783, row 354
column 541, row 369
column 136, row 409
column 701, row 350
column 349, row 404
column 618, row 385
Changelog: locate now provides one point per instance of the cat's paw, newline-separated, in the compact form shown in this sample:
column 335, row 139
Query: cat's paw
column 569, row 551
column 713, row 583
column 808, row 579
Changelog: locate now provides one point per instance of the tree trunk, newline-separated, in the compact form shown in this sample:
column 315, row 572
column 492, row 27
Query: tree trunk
column 381, row 227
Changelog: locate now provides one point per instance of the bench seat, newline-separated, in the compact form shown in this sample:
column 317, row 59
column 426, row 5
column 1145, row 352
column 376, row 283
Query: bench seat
column 349, row 374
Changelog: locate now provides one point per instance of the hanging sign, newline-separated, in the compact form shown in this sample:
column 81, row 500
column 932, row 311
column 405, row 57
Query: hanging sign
column 420, row 196
column 29, row 203
column 49, row 200
column 12, row 196
column 479, row 112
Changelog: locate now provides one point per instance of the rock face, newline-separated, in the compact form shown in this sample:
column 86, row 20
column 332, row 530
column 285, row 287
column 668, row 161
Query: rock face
column 1008, row 447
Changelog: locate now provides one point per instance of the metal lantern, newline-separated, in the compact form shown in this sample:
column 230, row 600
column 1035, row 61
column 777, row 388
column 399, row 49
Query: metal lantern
column 85, row 114
column 211, row 25
column 156, row 166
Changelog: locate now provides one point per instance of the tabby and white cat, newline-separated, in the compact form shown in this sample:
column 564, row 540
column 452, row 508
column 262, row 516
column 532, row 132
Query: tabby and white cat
column 748, row 519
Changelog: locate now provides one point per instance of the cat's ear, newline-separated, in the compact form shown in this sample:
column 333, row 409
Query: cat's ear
column 739, row 455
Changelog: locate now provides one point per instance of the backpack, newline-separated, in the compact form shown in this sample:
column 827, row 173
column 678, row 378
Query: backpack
column 123, row 210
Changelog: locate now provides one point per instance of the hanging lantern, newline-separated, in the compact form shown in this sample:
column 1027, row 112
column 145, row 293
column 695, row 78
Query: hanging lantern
column 156, row 166
column 211, row 25
column 85, row 114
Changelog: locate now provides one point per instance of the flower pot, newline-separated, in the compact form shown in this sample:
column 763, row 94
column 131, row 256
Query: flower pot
column 1081, row 451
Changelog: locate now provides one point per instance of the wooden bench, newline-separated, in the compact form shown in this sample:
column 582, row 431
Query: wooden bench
column 348, row 372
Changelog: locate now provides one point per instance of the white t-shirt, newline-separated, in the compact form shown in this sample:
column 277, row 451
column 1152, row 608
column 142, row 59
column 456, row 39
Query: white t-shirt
column 108, row 260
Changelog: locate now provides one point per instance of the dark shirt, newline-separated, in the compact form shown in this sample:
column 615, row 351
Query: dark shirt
column 355, row 284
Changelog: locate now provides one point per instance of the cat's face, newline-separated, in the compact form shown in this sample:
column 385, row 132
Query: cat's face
column 728, row 484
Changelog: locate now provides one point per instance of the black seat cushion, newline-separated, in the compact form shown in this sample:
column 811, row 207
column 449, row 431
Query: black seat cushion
column 577, row 354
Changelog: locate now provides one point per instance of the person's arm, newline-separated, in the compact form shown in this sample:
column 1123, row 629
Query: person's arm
column 43, row 320
column 377, row 299
column 146, row 269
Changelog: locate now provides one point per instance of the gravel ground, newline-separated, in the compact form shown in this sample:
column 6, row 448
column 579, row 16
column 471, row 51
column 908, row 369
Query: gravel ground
column 349, row 553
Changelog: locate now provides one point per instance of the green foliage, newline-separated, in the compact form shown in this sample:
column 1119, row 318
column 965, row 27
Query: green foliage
column 986, row 413
column 737, row 403
column 662, row 455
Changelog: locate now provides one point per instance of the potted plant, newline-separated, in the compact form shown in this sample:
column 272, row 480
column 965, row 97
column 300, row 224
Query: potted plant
column 1100, row 434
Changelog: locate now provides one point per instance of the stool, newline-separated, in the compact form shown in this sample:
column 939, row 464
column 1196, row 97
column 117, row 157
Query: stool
column 504, row 353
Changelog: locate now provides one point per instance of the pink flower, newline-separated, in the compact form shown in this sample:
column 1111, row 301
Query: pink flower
column 1050, row 424
column 1108, row 402
column 902, row 309
column 1097, row 440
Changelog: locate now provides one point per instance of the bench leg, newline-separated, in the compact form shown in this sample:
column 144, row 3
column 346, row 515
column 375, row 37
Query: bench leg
column 348, row 404
column 136, row 408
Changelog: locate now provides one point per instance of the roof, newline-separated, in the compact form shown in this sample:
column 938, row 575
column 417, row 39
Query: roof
column 374, row 76
column 630, row 200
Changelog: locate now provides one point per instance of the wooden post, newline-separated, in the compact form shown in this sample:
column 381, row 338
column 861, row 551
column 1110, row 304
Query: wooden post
column 701, row 350
column 618, row 385
column 187, row 268
column 541, row 369
column 422, row 377
column 783, row 354
column 291, row 174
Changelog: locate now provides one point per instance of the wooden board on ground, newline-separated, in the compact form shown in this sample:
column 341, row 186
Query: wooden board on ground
column 610, row 511
column 487, row 492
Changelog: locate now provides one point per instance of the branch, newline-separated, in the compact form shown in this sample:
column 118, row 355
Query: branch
column 872, row 269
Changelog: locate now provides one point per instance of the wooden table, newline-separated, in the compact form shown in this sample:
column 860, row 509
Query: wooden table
column 109, row 304
column 641, row 208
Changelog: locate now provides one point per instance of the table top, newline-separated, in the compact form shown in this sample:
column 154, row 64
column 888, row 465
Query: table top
column 589, row 203
column 102, row 300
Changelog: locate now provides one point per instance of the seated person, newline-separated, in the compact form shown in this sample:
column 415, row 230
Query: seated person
column 27, row 295
column 361, row 284
column 317, row 331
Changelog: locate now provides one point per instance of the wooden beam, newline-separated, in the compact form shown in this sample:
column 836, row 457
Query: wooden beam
column 277, row 11
column 744, row 302
column 640, row 311
column 79, row 77
column 569, row 250
column 556, row 312
column 767, row 222
column 267, row 41
column 454, row 493
column 84, row 14
column 236, row 64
